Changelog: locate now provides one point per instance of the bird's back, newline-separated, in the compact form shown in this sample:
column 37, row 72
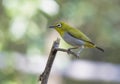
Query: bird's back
column 77, row 34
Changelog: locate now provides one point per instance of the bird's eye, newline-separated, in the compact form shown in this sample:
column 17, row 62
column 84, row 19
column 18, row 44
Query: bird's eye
column 59, row 25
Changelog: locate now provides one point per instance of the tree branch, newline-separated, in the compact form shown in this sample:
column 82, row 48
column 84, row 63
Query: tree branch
column 44, row 76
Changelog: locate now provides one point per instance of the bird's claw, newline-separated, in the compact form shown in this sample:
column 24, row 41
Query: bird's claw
column 68, row 51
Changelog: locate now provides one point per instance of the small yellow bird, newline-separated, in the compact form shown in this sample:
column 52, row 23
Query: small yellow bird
column 74, row 37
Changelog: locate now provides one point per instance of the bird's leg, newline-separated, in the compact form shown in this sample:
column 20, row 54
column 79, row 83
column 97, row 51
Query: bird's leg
column 81, row 48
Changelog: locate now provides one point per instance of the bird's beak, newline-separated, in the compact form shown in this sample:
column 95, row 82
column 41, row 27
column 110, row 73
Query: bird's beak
column 52, row 26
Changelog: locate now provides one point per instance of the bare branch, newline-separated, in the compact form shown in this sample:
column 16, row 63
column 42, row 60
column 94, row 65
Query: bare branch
column 44, row 76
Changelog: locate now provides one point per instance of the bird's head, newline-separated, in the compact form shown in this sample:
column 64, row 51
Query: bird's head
column 61, row 27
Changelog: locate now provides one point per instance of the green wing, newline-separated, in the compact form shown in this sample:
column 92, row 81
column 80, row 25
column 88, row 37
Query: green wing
column 78, row 34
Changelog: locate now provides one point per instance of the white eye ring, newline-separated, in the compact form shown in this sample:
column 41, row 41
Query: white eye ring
column 59, row 25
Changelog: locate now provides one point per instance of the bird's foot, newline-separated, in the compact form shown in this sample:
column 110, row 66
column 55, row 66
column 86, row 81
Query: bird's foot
column 69, row 49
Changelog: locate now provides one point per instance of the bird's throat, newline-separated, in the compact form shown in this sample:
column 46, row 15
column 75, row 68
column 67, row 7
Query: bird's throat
column 60, row 32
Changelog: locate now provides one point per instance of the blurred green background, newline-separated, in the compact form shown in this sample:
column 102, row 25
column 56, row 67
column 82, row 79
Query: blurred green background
column 24, row 31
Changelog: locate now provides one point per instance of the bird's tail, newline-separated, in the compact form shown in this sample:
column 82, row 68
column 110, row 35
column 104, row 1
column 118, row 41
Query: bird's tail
column 99, row 48
column 92, row 45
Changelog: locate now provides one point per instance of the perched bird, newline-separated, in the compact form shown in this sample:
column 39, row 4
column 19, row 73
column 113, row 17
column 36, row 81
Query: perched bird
column 74, row 37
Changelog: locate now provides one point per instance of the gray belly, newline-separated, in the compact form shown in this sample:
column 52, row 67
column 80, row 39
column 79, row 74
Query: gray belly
column 72, row 40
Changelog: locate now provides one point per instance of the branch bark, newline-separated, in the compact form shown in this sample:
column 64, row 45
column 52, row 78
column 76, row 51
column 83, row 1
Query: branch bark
column 44, row 76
